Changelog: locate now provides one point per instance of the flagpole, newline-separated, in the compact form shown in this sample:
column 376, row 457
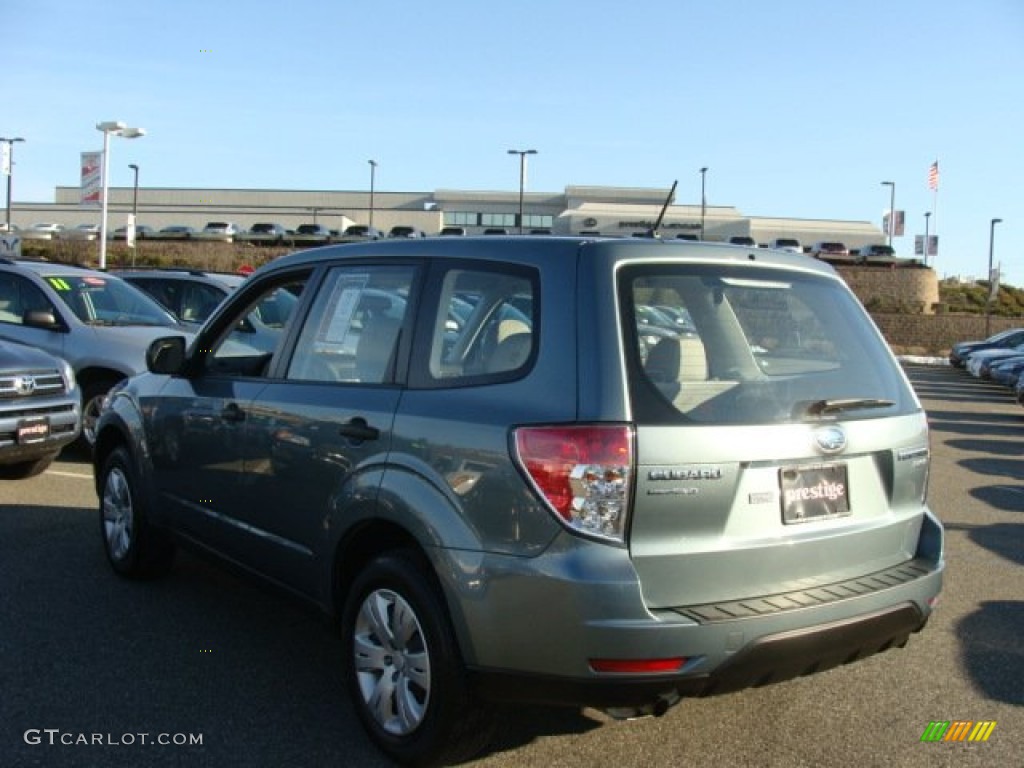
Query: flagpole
column 935, row 211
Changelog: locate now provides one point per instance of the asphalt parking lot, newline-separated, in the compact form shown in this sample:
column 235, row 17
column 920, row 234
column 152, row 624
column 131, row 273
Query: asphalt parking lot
column 255, row 676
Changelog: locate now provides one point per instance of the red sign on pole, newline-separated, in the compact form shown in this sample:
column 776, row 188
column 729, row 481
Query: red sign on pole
column 92, row 178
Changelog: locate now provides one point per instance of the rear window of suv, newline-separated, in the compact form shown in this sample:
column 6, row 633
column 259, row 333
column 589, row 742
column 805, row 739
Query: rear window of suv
column 762, row 346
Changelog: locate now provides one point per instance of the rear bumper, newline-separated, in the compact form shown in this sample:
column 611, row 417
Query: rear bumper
column 768, row 659
column 529, row 627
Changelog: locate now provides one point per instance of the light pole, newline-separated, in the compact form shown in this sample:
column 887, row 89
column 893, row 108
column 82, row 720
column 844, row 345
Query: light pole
column 522, row 178
column 988, row 301
column 9, row 169
column 703, row 200
column 117, row 128
column 373, row 173
column 135, row 209
column 927, row 216
column 892, row 209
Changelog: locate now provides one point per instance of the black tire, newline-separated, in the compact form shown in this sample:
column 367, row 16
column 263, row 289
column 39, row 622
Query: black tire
column 438, row 723
column 24, row 469
column 134, row 548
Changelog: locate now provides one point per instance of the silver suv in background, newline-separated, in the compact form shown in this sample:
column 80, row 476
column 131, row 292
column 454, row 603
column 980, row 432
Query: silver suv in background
column 40, row 410
column 97, row 322
column 475, row 454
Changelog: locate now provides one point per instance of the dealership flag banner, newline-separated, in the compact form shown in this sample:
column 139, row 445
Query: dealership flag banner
column 897, row 225
column 5, row 158
column 92, row 178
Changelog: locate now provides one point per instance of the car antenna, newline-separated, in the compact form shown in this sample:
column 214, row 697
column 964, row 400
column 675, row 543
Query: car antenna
column 653, row 231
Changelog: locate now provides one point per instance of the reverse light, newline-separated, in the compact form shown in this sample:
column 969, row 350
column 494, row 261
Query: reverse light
column 582, row 473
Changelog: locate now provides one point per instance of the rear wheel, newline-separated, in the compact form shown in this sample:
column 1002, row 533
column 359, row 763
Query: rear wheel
column 134, row 548
column 403, row 668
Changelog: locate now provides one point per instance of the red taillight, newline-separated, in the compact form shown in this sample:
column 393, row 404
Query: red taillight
column 637, row 666
column 582, row 472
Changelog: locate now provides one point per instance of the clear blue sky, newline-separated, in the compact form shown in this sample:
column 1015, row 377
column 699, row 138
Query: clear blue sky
column 797, row 107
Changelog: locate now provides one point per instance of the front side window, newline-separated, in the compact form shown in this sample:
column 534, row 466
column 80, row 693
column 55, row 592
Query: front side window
column 256, row 330
column 353, row 328
column 741, row 346
column 18, row 297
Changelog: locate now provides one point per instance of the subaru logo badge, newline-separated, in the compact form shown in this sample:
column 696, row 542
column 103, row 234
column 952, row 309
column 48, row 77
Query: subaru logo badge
column 831, row 439
column 25, row 385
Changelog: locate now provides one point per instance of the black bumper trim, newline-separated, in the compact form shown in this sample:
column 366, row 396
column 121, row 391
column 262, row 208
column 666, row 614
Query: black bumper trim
column 904, row 573
column 770, row 659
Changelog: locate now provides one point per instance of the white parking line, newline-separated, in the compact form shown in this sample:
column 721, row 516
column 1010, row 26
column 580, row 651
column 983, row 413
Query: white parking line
column 68, row 474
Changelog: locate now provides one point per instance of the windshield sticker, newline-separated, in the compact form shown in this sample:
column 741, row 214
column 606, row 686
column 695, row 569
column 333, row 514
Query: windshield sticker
column 94, row 281
column 59, row 283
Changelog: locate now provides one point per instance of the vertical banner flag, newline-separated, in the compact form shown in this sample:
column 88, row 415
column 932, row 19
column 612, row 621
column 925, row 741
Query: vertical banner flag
column 5, row 158
column 993, row 280
column 897, row 223
column 129, row 231
column 933, row 176
column 92, row 182
column 933, row 245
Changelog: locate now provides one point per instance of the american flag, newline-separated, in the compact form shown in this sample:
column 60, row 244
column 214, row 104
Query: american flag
column 933, row 175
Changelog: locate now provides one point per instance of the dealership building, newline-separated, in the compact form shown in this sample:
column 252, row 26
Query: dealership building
column 613, row 211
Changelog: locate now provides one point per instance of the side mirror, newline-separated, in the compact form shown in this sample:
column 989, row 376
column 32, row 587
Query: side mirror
column 166, row 355
column 42, row 318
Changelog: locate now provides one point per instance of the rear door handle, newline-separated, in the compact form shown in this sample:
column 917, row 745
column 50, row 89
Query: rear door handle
column 232, row 412
column 358, row 431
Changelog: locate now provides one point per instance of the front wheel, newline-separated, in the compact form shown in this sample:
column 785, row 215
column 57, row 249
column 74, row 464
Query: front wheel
column 134, row 548
column 403, row 668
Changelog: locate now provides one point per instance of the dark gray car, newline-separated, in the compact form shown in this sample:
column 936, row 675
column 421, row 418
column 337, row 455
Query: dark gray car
column 40, row 410
column 541, row 505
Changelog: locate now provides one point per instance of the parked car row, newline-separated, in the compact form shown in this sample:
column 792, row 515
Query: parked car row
column 95, row 321
column 828, row 250
column 999, row 358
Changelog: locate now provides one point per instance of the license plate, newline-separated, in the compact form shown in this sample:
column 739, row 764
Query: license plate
column 814, row 492
column 33, row 430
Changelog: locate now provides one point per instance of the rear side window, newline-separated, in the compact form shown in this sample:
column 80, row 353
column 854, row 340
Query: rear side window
column 758, row 346
column 484, row 327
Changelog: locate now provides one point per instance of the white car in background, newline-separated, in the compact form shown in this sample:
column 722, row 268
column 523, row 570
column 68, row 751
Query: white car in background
column 44, row 230
column 80, row 232
column 225, row 231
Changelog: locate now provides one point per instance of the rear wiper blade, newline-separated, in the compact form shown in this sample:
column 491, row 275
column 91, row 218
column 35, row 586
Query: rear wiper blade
column 823, row 407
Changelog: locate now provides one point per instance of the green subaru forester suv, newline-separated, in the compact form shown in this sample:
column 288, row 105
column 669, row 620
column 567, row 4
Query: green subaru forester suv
column 479, row 456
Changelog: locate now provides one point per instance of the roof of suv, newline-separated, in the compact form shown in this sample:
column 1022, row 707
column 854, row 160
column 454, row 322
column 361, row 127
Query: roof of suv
column 227, row 280
column 525, row 251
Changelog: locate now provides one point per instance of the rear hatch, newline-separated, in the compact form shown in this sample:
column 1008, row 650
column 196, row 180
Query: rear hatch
column 779, row 446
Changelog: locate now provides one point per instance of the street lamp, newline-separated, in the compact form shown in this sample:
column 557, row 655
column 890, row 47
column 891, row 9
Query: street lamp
column 988, row 301
column 135, row 209
column 927, row 216
column 108, row 128
column 703, row 200
column 892, row 209
column 373, row 173
column 9, row 170
column 522, row 178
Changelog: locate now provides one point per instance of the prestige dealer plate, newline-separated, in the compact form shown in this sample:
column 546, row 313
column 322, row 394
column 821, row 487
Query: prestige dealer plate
column 814, row 492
